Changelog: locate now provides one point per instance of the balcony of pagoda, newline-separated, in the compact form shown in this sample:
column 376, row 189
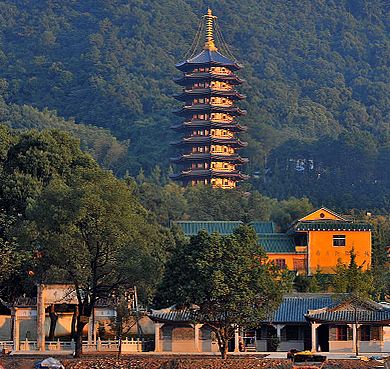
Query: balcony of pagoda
column 190, row 78
column 226, row 119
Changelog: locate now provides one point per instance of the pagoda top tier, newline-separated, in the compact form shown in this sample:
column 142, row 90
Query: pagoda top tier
column 210, row 54
column 208, row 57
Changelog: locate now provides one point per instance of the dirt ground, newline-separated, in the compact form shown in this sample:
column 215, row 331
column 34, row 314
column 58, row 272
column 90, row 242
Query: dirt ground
column 155, row 362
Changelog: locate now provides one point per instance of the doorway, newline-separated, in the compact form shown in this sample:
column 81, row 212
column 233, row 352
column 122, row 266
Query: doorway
column 323, row 337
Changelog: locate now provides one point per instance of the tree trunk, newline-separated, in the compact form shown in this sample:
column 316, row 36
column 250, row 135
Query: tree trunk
column 79, row 337
column 120, row 332
column 53, row 322
column 74, row 321
column 224, row 348
column 223, row 341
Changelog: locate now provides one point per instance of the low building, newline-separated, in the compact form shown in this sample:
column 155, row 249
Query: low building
column 303, row 321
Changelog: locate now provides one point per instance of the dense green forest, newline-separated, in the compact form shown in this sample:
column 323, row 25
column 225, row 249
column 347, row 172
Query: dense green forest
column 317, row 72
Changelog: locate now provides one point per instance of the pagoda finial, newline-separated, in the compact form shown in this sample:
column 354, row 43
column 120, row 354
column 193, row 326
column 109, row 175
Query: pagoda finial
column 209, row 31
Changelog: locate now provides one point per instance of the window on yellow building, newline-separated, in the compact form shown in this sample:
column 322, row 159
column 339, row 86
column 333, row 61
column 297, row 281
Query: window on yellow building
column 281, row 263
column 339, row 240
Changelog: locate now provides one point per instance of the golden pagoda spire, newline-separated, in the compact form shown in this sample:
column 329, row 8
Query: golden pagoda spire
column 209, row 31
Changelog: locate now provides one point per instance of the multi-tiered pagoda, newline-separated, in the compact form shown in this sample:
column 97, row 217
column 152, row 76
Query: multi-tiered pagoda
column 210, row 142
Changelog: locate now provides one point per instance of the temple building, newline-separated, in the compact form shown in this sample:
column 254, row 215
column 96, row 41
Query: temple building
column 208, row 148
column 317, row 241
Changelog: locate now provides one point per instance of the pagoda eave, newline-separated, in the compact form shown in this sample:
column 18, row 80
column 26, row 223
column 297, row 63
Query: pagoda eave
column 199, row 140
column 233, row 126
column 209, row 156
column 190, row 94
column 190, row 78
column 209, row 173
column 207, row 108
column 208, row 57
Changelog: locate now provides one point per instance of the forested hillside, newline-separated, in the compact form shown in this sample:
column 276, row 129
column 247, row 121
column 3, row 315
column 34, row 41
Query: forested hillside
column 317, row 72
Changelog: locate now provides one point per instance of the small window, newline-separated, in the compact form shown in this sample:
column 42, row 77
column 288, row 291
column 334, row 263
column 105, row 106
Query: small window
column 339, row 240
column 281, row 263
column 341, row 333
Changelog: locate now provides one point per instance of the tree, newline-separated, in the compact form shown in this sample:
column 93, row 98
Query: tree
column 357, row 283
column 125, row 318
column 226, row 277
column 93, row 233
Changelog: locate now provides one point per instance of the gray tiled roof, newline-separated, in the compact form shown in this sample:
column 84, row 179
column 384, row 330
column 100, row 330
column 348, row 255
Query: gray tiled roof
column 348, row 316
column 178, row 316
column 295, row 305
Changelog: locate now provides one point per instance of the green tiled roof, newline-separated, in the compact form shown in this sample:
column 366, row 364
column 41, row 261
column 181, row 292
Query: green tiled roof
column 275, row 243
column 263, row 227
column 331, row 226
column 191, row 228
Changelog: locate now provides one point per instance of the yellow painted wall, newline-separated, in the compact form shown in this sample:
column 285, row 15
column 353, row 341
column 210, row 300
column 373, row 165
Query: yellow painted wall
column 288, row 257
column 322, row 253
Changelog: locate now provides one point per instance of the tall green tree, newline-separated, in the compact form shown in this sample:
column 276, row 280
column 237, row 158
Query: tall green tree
column 93, row 233
column 227, row 277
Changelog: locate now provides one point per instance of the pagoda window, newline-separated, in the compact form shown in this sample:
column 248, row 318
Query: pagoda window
column 200, row 149
column 207, row 100
column 201, row 101
column 206, row 116
column 206, row 84
column 225, row 166
column 201, row 116
column 206, row 165
column 224, row 149
column 212, row 131
column 226, row 183
column 206, row 132
column 206, row 149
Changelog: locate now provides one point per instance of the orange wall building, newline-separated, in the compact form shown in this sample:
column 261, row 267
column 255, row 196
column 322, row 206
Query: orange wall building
column 326, row 238
column 316, row 241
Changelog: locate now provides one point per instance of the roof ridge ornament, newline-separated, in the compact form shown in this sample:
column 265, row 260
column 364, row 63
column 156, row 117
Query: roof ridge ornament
column 210, row 45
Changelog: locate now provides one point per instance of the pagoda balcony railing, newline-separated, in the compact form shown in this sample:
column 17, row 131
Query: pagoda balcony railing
column 222, row 153
column 222, row 136
column 222, row 72
column 220, row 88
column 224, row 169
column 221, row 104
column 227, row 120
